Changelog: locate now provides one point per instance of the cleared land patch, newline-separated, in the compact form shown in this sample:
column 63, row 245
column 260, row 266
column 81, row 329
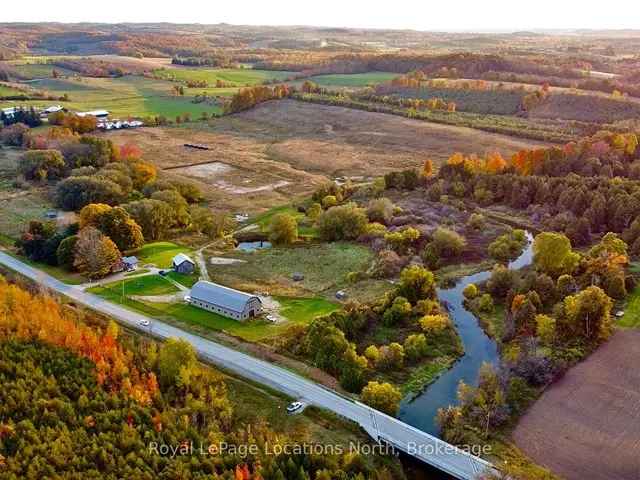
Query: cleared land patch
column 303, row 144
column 591, row 413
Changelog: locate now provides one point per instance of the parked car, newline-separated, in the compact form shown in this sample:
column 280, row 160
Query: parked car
column 162, row 272
column 294, row 407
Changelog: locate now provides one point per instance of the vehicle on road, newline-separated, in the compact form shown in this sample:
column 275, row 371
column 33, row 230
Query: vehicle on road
column 144, row 323
column 294, row 407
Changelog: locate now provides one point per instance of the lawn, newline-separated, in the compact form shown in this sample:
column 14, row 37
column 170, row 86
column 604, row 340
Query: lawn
column 147, row 285
column 354, row 79
column 631, row 318
column 131, row 95
column 160, row 253
column 304, row 310
column 304, row 227
column 324, row 266
column 238, row 76
column 183, row 279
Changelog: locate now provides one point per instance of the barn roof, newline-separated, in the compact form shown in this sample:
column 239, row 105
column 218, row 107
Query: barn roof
column 222, row 296
column 181, row 258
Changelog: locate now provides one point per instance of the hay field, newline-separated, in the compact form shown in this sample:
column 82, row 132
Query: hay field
column 282, row 149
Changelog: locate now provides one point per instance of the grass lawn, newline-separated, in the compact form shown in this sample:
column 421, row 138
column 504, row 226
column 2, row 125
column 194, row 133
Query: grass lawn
column 264, row 220
column 183, row 279
column 304, row 310
column 144, row 285
column 160, row 253
column 324, row 266
column 238, row 76
column 631, row 318
column 354, row 79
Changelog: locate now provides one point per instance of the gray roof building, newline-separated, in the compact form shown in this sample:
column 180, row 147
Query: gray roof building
column 224, row 300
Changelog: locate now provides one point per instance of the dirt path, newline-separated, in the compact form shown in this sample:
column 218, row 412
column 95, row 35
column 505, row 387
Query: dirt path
column 587, row 425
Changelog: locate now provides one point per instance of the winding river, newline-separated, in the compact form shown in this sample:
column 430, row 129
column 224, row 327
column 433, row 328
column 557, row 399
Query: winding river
column 420, row 410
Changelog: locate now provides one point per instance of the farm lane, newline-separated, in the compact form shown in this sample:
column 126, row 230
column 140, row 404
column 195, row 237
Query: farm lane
column 380, row 426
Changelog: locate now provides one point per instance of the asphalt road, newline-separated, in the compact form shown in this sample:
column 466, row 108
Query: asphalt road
column 379, row 425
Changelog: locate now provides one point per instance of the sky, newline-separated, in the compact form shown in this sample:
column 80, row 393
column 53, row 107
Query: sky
column 439, row 15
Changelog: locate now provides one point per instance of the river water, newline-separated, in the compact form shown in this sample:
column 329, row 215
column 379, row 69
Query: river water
column 420, row 410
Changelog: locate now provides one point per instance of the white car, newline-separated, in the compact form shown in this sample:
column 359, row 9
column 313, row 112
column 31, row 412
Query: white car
column 144, row 323
column 294, row 407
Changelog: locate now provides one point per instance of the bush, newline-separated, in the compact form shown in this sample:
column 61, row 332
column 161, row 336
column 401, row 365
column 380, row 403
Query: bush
column 73, row 193
column 380, row 210
column 42, row 165
column 509, row 246
column 398, row 312
column 382, row 396
column 283, row 229
column 415, row 346
column 470, row 291
column 447, row 243
column 434, row 324
column 345, row 222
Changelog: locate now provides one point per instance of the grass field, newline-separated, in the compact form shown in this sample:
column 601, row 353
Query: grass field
column 304, row 310
column 353, row 80
column 324, row 267
column 183, row 279
column 126, row 96
column 631, row 318
column 145, row 285
column 240, row 77
column 264, row 220
column 298, row 310
column 160, row 253
column 16, row 210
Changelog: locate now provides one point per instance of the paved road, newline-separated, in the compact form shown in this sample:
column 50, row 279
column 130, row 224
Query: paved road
column 380, row 426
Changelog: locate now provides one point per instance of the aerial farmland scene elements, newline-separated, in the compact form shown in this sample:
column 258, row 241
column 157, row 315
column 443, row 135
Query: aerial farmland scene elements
column 278, row 241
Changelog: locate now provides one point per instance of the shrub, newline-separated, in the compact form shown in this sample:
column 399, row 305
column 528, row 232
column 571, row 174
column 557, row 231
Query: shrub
column 434, row 324
column 447, row 243
column 380, row 210
column 344, row 222
column 398, row 312
column 415, row 346
column 382, row 396
column 283, row 229
column 470, row 291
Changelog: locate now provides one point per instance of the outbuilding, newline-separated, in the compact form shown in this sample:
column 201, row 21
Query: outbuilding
column 225, row 301
column 183, row 264
column 130, row 263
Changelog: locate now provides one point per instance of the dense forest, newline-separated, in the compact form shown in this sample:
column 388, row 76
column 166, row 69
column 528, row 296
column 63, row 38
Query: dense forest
column 84, row 400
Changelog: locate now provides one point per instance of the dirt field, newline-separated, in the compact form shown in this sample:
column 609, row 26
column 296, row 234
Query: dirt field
column 587, row 426
column 266, row 156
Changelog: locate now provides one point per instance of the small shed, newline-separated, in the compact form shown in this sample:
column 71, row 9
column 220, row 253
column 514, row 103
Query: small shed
column 341, row 295
column 183, row 264
column 130, row 263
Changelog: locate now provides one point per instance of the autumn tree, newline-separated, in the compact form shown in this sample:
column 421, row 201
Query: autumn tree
column 283, row 229
column 552, row 254
column 42, row 165
column 95, row 253
column 343, row 222
column 586, row 314
column 154, row 217
column 176, row 361
column 382, row 396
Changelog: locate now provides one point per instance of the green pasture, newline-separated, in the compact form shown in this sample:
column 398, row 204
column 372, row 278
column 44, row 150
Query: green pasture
column 240, row 77
column 160, row 253
column 353, row 80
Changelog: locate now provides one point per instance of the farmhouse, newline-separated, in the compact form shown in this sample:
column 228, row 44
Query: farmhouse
column 183, row 264
column 225, row 301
